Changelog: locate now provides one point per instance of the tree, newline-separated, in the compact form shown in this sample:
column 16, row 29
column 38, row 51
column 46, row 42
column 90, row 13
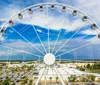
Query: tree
column 13, row 83
column 91, row 77
column 72, row 78
column 57, row 79
column 88, row 66
column 97, row 79
column 24, row 81
column 81, row 68
column 30, row 82
column 87, row 78
column 5, row 82
column 50, row 79
column 83, row 78
column 45, row 79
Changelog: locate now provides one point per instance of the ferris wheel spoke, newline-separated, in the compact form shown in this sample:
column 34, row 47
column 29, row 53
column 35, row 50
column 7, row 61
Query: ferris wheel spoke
column 38, row 36
column 91, row 54
column 40, row 76
column 73, row 49
column 27, row 40
column 84, row 37
column 8, row 54
column 68, row 74
column 46, row 14
column 59, row 75
column 21, row 51
column 59, row 34
column 68, row 40
column 75, row 56
column 23, row 28
column 35, row 39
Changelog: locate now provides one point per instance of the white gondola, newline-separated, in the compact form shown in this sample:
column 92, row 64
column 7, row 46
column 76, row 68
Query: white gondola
column 52, row 7
column 84, row 18
column 41, row 8
column 30, row 11
column 63, row 9
column 20, row 16
column 3, row 31
column 74, row 13
column 93, row 26
column 10, row 22
column 99, row 35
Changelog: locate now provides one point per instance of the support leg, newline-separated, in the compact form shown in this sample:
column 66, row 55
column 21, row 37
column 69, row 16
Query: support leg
column 59, row 76
column 37, row 82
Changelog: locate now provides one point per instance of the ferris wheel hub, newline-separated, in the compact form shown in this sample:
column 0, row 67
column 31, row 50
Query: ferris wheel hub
column 49, row 59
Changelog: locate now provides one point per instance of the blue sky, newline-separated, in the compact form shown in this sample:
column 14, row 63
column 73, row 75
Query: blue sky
column 54, row 22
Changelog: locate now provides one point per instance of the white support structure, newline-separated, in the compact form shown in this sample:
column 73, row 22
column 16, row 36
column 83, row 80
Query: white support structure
column 37, row 82
column 60, row 77
column 49, row 58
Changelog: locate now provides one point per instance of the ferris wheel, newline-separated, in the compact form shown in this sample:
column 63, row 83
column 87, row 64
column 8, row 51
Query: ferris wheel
column 43, row 31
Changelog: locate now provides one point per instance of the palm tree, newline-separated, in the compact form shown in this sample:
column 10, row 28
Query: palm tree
column 45, row 79
column 50, row 80
column 57, row 79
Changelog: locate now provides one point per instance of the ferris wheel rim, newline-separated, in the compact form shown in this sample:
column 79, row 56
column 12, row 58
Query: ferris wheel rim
column 54, row 3
column 50, row 3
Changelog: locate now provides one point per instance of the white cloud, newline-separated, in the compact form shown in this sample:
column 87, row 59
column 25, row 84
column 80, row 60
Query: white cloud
column 52, row 22
column 6, row 48
column 6, row 53
column 2, row 53
column 90, row 7
column 90, row 32
column 9, row 11
column 18, row 44
column 39, row 30
column 2, row 38
column 11, row 31
column 94, row 40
